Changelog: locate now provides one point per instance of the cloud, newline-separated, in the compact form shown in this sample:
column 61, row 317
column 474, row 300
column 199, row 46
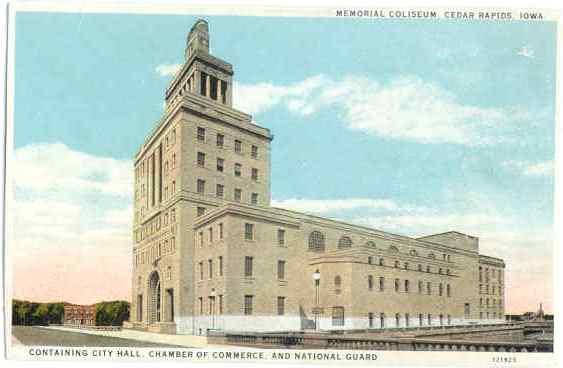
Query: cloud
column 71, row 223
column 533, row 169
column 406, row 108
column 168, row 70
column 526, row 52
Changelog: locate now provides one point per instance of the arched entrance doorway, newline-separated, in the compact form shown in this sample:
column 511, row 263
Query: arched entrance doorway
column 154, row 294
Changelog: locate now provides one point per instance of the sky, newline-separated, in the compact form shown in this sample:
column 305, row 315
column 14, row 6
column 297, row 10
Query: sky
column 413, row 127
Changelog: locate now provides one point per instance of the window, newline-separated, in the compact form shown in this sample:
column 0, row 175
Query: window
column 221, row 230
column 254, row 174
column 248, row 231
column 420, row 287
column 316, row 241
column 201, row 159
column 370, row 260
column 407, row 319
column 338, row 316
column 248, row 305
column 439, row 271
column 448, row 290
column 201, row 270
column 200, row 186
column 440, row 289
column 254, row 198
column 370, row 320
column 200, row 211
column 407, row 284
column 220, row 140
column 397, row 320
column 397, row 285
column 238, row 146
column 419, row 268
column 238, row 168
column 200, row 305
column 344, row 242
column 201, row 238
column 210, row 267
column 428, row 269
column 480, row 274
column 220, row 164
column 220, row 265
column 281, row 305
column 220, row 303
column 420, row 319
column 396, row 264
column 281, row 270
column 382, row 320
column 429, row 319
column 381, row 262
column 337, row 284
column 441, row 319
column 406, row 266
column 248, row 266
column 201, row 134
column 238, row 195
column 281, row 236
column 428, row 288
column 210, row 235
column 381, row 283
column 220, row 190
column 370, row 282
column 254, row 151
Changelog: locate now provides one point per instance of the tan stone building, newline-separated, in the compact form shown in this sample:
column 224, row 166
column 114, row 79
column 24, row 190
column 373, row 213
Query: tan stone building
column 210, row 253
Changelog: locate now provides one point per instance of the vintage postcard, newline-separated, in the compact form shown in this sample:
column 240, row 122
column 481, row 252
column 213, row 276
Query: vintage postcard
column 330, row 186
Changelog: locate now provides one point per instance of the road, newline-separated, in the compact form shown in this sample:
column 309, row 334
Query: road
column 29, row 335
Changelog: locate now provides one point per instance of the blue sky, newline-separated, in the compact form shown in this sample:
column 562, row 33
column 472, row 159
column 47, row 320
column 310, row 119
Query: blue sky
column 419, row 126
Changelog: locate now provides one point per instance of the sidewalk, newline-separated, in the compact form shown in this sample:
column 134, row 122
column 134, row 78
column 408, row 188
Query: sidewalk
column 189, row 341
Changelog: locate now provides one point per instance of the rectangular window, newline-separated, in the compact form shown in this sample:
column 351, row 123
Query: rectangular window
column 201, row 270
column 406, row 286
column 254, row 174
column 281, row 236
column 221, row 231
column 210, row 268
column 248, row 266
column 281, row 270
column 238, row 195
column 210, row 235
column 200, row 211
column 220, row 265
column 381, row 283
column 397, row 285
column 201, row 134
column 201, row 159
column 370, row 320
column 370, row 282
column 220, row 190
column 220, row 303
column 200, row 186
column 420, row 287
column 220, row 140
column 238, row 146
column 254, row 151
column 200, row 305
column 248, row 305
column 281, row 305
column 428, row 288
column 338, row 316
column 254, row 199
column 238, row 169
column 248, row 231
column 201, row 238
column 220, row 164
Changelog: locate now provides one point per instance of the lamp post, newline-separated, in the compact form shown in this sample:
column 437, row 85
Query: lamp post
column 317, row 278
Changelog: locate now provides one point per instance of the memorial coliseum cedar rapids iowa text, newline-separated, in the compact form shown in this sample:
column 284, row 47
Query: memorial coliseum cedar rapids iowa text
column 211, row 254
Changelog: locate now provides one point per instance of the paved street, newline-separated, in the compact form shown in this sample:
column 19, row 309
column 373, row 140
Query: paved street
column 29, row 335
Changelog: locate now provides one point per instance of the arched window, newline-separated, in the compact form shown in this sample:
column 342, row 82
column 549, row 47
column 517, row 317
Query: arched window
column 393, row 249
column 381, row 262
column 317, row 241
column 370, row 244
column 345, row 242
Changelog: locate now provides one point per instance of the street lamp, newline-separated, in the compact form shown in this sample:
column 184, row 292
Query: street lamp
column 317, row 278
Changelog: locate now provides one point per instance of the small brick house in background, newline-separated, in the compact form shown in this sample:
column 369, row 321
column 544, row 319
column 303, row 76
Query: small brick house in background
column 82, row 315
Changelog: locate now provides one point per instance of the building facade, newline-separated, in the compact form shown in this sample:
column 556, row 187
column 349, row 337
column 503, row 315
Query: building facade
column 79, row 315
column 211, row 253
